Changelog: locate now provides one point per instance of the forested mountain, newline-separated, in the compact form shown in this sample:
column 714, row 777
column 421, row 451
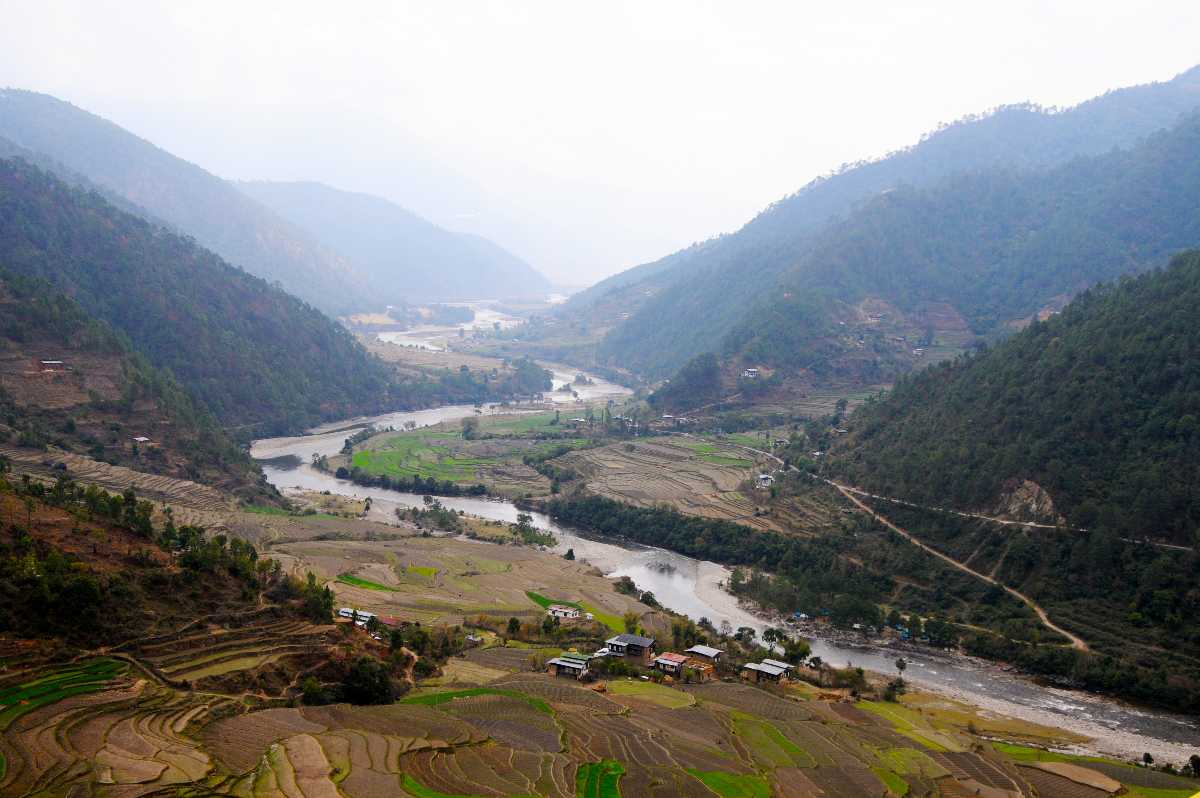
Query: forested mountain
column 69, row 381
column 1099, row 405
column 76, row 143
column 250, row 352
column 686, row 304
column 985, row 250
column 400, row 255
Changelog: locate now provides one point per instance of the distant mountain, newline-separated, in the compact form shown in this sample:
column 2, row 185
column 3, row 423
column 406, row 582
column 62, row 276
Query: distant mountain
column 259, row 358
column 975, row 256
column 664, row 313
column 400, row 255
column 69, row 381
column 76, row 144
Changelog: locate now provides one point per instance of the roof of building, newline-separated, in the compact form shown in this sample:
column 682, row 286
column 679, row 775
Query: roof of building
column 672, row 658
column 561, row 608
column 770, row 670
column 571, row 655
column 568, row 663
column 705, row 651
column 631, row 640
column 777, row 664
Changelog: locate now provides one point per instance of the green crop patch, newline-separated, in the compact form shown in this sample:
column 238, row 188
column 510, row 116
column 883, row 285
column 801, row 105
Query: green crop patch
column 350, row 579
column 90, row 677
column 428, row 571
column 896, row 785
column 599, row 779
column 731, row 785
column 434, row 699
column 419, row 790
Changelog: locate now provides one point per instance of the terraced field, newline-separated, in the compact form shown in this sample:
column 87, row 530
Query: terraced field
column 101, row 728
column 697, row 477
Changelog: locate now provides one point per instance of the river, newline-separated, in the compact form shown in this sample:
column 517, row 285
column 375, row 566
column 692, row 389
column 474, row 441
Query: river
column 693, row 587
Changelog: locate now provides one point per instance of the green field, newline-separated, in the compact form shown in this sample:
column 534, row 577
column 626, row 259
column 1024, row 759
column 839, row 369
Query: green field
column 441, row 452
column 731, row 785
column 652, row 692
column 434, row 699
column 89, row 677
column 715, row 454
column 350, row 579
column 599, row 779
column 614, row 622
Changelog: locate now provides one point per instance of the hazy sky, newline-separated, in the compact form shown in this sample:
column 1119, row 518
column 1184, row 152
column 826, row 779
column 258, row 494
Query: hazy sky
column 585, row 137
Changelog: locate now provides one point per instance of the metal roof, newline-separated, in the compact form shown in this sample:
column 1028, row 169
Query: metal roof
column 705, row 651
column 777, row 664
column 770, row 670
column 569, row 663
column 673, row 658
column 631, row 640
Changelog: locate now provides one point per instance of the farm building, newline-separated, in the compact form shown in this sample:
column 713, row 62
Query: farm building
column 758, row 672
column 572, row 665
column 750, row 373
column 562, row 611
column 765, row 481
column 627, row 645
column 671, row 663
column 786, row 666
column 52, row 365
column 706, row 653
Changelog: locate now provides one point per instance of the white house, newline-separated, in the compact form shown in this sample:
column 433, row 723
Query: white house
column 750, row 373
column 765, row 480
column 562, row 611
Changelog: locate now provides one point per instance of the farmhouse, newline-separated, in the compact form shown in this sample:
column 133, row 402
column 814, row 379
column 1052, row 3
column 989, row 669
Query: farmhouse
column 567, row 664
column 759, row 672
column 774, row 663
column 562, row 611
column 52, row 365
column 706, row 653
column 750, row 373
column 671, row 663
column 765, row 481
column 627, row 645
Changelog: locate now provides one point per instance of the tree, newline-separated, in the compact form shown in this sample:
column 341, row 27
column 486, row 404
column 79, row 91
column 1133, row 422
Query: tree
column 901, row 664
column 1194, row 761
column 630, row 620
column 367, row 682
column 570, row 555
column 1147, row 760
column 514, row 627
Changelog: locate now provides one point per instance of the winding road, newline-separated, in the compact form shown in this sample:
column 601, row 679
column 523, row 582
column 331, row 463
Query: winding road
column 854, row 494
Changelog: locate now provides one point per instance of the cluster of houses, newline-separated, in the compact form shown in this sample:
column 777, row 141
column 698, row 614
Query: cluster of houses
column 699, row 661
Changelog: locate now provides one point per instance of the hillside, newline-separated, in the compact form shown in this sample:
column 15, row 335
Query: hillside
column 71, row 383
column 401, row 256
column 688, row 302
column 976, row 256
column 168, row 189
column 1097, row 405
column 251, row 353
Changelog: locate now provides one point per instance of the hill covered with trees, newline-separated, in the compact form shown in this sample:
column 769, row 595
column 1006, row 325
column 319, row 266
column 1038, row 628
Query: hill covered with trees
column 71, row 382
column 691, row 301
column 402, row 256
column 1099, row 405
column 253, row 354
column 156, row 184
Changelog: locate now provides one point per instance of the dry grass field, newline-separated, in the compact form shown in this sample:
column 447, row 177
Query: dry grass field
column 698, row 477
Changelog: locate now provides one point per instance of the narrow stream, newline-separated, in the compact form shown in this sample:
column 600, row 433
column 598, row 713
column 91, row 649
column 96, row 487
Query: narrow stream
column 693, row 587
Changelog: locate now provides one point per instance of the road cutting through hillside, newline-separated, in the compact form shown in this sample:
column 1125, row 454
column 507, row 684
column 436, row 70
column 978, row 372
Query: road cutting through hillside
column 1076, row 642
column 852, row 494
